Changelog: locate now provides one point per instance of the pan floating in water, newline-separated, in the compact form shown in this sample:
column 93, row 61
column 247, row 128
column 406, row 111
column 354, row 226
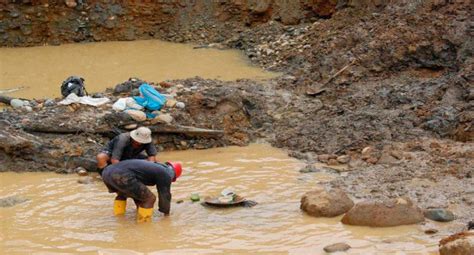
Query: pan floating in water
column 213, row 201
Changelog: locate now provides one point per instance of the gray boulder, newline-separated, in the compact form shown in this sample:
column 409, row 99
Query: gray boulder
column 388, row 213
column 324, row 203
column 441, row 215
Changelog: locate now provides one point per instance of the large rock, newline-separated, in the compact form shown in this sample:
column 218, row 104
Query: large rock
column 323, row 203
column 393, row 212
column 442, row 215
column 457, row 244
column 290, row 12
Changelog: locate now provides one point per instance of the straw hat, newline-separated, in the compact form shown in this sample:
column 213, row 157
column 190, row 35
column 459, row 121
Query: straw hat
column 141, row 135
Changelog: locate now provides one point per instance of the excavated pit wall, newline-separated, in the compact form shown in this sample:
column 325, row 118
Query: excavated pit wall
column 410, row 77
column 38, row 22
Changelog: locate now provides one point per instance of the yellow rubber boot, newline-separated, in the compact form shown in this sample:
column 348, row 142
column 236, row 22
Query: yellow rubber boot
column 119, row 207
column 144, row 214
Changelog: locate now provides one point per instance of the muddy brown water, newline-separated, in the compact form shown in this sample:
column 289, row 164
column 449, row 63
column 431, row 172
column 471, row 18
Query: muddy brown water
column 42, row 69
column 63, row 216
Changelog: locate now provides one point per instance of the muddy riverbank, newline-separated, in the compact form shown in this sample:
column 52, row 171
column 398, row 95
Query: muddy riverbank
column 436, row 173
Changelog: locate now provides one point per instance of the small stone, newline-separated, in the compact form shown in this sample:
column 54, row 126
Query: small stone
column 85, row 180
column 180, row 105
column 195, row 197
column 367, row 150
column 49, row 103
column 396, row 154
column 387, row 159
column 165, row 84
column 131, row 126
column 162, row 118
column 72, row 107
column 308, row 169
column 333, row 162
column 136, row 115
column 323, row 158
column 170, row 103
column 337, row 247
column 180, row 201
column 372, row 160
column 431, row 231
column 344, row 159
column 17, row 103
column 39, row 106
column 14, row 14
column 81, row 171
column 70, row 3
column 183, row 143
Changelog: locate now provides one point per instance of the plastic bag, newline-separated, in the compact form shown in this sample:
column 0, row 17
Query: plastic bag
column 120, row 105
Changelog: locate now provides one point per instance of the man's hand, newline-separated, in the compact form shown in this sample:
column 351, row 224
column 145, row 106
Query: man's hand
column 152, row 159
column 114, row 161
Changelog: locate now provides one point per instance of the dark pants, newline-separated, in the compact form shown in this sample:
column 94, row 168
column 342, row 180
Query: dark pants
column 126, row 184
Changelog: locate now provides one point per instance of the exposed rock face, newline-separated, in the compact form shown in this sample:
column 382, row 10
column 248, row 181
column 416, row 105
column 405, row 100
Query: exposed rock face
column 324, row 203
column 458, row 244
column 39, row 22
column 388, row 213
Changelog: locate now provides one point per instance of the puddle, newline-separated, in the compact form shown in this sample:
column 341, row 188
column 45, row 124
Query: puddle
column 105, row 64
column 63, row 216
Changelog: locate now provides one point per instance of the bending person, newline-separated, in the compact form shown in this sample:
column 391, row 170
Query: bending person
column 125, row 146
column 130, row 178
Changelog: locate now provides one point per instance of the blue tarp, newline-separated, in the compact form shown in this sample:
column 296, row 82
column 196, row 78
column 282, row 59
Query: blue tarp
column 150, row 98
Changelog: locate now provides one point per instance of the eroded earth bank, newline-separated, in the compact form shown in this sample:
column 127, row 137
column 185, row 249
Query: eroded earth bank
column 380, row 93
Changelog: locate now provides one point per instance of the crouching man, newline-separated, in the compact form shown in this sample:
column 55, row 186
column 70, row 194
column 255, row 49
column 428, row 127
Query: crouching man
column 125, row 146
column 130, row 178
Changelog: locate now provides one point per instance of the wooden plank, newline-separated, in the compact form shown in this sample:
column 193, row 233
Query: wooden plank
column 159, row 129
